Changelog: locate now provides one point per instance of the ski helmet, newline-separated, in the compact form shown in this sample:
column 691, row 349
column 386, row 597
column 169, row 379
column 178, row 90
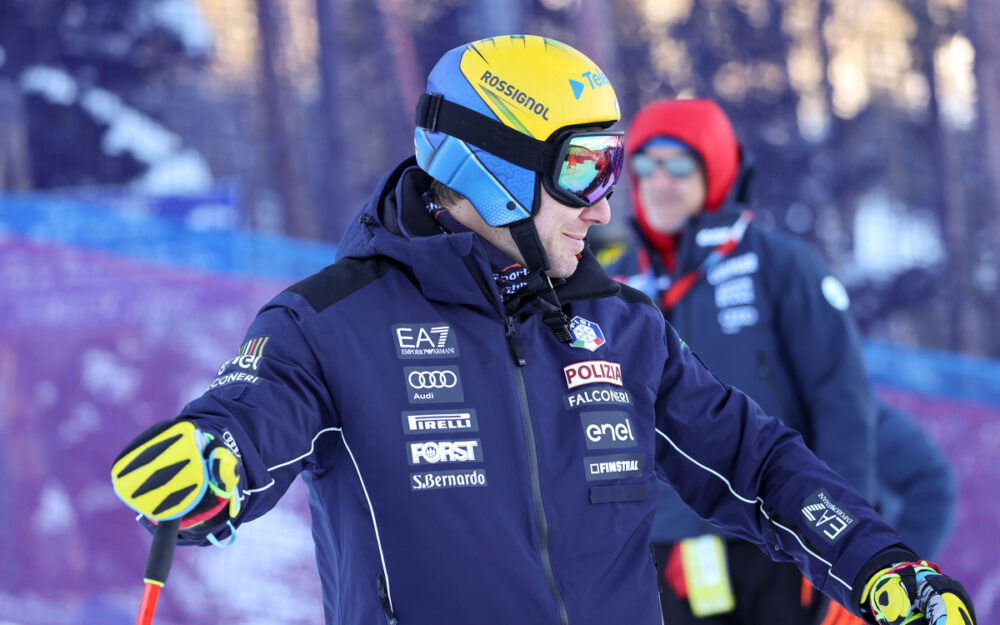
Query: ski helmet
column 500, row 119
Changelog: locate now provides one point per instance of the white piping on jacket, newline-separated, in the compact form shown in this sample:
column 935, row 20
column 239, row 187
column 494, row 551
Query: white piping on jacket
column 760, row 504
column 364, row 489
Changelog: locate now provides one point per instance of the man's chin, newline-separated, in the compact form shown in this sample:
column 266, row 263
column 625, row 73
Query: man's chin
column 564, row 268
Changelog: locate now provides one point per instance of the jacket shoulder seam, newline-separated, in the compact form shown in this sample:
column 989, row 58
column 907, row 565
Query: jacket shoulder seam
column 340, row 280
column 631, row 295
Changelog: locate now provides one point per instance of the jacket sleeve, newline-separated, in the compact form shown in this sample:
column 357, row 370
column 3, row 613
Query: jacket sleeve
column 917, row 487
column 752, row 475
column 823, row 348
column 271, row 405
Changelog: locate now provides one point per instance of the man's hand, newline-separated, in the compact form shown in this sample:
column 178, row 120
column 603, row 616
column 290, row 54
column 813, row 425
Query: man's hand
column 916, row 593
column 174, row 470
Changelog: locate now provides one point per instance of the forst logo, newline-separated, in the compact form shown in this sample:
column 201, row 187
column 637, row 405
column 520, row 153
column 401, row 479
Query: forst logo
column 592, row 372
column 433, row 452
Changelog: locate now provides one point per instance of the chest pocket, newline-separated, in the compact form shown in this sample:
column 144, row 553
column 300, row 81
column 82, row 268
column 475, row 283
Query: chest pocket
column 618, row 493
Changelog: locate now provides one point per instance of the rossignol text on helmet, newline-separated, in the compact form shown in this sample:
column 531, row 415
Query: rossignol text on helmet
column 503, row 116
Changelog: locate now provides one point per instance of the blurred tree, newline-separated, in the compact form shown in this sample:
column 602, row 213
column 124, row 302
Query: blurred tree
column 948, row 193
column 983, row 26
column 284, row 155
column 15, row 164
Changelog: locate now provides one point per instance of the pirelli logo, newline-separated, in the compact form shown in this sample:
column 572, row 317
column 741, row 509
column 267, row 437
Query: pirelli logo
column 433, row 421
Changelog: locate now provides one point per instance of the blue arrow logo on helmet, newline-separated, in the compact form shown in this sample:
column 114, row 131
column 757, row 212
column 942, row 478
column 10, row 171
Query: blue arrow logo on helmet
column 577, row 88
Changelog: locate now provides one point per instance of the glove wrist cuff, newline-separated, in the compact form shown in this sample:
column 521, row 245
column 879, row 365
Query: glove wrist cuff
column 883, row 560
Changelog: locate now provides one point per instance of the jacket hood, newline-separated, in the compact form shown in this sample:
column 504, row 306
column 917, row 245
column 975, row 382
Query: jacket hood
column 394, row 224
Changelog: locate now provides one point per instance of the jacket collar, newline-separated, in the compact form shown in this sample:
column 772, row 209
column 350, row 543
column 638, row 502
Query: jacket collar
column 701, row 235
column 396, row 224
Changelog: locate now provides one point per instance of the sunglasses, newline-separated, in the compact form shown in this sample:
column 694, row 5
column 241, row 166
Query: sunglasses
column 587, row 167
column 678, row 166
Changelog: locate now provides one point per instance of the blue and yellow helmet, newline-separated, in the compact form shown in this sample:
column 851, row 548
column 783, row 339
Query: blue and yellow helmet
column 485, row 97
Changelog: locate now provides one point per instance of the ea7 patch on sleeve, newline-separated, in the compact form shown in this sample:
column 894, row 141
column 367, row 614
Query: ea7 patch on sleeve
column 826, row 517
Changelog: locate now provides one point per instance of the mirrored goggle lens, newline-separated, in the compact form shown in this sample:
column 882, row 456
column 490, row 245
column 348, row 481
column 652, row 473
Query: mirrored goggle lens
column 591, row 166
column 680, row 166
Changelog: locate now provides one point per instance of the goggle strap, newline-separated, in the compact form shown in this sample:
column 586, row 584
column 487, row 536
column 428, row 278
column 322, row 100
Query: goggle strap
column 436, row 114
column 526, row 238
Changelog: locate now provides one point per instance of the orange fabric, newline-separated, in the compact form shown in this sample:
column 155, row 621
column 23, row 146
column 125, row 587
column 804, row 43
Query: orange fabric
column 806, row 594
column 837, row 614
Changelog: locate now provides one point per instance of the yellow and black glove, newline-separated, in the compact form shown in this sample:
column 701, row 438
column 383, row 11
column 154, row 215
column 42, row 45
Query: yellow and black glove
column 173, row 470
column 916, row 593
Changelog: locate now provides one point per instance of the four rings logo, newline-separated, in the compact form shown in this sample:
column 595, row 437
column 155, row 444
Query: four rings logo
column 432, row 379
column 433, row 384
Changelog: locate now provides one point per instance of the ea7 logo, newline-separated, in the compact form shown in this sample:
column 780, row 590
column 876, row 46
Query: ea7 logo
column 424, row 340
column 826, row 516
column 433, row 452
column 592, row 372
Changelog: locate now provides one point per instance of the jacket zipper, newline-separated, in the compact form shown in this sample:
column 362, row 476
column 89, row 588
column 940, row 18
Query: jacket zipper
column 383, row 598
column 517, row 355
column 541, row 523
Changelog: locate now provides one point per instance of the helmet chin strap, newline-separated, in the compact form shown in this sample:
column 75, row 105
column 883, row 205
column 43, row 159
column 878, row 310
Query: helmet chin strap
column 538, row 282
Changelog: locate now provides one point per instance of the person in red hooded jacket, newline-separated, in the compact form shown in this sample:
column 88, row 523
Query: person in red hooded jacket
column 762, row 310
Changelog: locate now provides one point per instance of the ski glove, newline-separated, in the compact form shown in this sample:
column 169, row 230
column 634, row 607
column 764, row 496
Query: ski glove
column 917, row 593
column 174, row 470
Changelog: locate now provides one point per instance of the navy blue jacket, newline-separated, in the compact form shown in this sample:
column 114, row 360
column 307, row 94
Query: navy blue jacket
column 770, row 320
column 464, row 466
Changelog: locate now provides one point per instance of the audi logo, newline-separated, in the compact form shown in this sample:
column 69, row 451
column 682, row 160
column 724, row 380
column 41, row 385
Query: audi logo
column 432, row 379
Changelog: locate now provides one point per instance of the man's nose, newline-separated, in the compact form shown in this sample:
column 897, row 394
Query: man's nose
column 598, row 214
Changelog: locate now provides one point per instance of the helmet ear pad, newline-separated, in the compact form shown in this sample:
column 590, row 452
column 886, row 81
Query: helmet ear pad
column 501, row 192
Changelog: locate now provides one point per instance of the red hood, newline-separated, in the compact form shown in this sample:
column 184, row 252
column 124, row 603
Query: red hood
column 702, row 125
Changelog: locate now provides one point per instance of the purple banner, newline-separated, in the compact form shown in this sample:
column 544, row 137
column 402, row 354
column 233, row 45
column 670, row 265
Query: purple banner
column 94, row 347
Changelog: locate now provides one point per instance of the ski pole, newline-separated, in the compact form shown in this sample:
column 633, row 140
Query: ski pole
column 161, row 555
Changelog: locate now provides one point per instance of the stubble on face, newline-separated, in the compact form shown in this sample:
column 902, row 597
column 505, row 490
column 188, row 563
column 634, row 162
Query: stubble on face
column 561, row 230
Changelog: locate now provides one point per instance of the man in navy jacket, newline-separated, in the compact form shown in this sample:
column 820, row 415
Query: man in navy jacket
column 480, row 413
column 762, row 310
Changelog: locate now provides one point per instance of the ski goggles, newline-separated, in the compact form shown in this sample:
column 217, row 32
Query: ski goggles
column 578, row 167
column 678, row 166
column 586, row 168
